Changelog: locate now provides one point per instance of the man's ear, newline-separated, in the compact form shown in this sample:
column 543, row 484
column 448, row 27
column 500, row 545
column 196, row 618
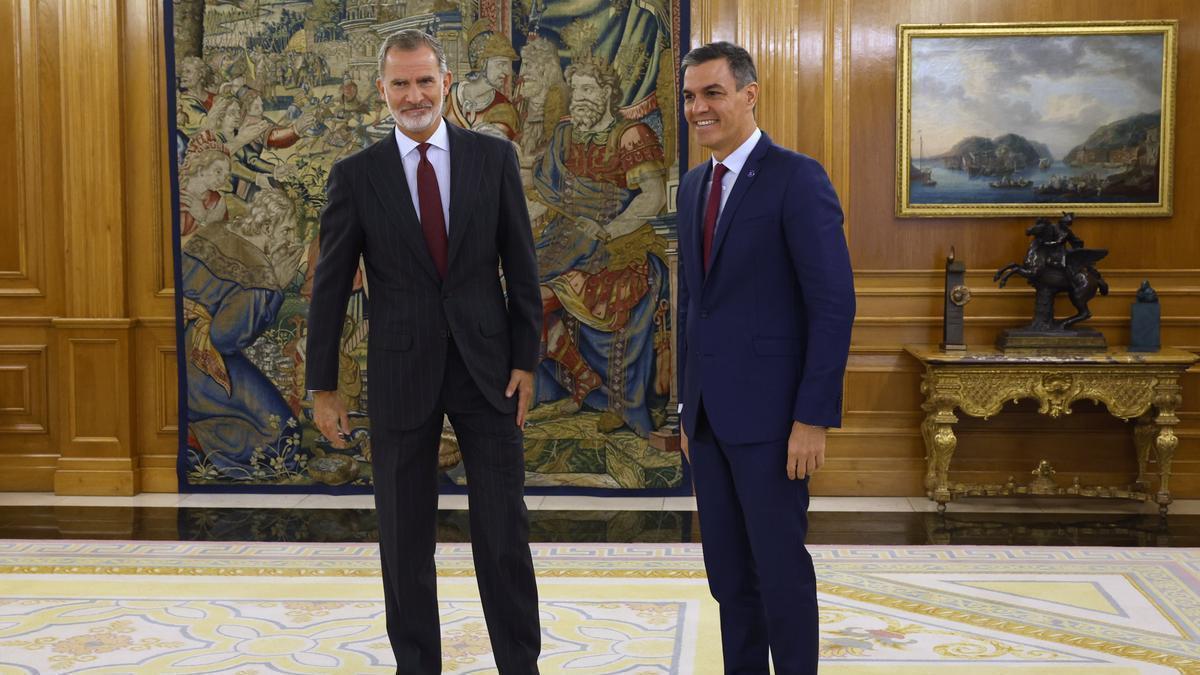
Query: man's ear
column 751, row 93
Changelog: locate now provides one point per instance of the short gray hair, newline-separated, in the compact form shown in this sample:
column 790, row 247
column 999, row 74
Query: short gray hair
column 410, row 40
column 740, row 63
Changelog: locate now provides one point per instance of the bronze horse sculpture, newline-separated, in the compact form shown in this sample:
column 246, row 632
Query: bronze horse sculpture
column 1057, row 262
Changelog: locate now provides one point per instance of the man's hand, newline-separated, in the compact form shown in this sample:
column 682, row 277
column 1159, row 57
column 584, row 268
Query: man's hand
column 520, row 383
column 806, row 450
column 329, row 412
column 683, row 443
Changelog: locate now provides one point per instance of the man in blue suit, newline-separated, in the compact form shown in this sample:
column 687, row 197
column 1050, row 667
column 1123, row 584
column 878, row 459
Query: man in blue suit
column 766, row 303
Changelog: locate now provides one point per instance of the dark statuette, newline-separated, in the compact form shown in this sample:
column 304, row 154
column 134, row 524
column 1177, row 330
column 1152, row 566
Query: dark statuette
column 1146, row 292
column 956, row 295
column 1056, row 262
column 1144, row 320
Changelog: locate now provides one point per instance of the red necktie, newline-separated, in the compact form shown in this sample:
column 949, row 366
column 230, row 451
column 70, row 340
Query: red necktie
column 710, row 212
column 433, row 221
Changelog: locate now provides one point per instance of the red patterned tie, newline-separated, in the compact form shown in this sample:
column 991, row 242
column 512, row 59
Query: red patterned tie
column 433, row 221
column 710, row 212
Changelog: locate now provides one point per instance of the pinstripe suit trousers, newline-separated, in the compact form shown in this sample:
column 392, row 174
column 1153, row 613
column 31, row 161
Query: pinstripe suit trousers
column 405, row 467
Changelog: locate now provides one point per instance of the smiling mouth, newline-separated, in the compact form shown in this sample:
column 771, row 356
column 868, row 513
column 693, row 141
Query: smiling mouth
column 704, row 124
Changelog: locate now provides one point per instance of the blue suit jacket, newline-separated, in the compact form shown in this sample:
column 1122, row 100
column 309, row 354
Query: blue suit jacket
column 764, row 336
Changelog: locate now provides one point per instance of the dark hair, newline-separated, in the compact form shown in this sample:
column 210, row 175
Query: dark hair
column 740, row 63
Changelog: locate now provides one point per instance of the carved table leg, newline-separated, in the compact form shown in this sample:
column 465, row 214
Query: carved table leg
column 1144, row 432
column 944, row 443
column 939, row 437
column 1165, row 444
column 927, row 427
column 1167, row 397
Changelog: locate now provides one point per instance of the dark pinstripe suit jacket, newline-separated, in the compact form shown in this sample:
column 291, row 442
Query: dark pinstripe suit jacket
column 370, row 212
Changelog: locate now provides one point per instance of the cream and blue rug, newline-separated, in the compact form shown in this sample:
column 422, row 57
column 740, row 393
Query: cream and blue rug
column 256, row 608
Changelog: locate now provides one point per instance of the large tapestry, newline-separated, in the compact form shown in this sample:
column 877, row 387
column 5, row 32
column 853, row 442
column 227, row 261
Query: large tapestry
column 270, row 93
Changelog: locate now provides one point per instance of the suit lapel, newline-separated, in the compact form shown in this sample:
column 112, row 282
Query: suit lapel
column 696, row 227
column 744, row 180
column 391, row 185
column 464, row 181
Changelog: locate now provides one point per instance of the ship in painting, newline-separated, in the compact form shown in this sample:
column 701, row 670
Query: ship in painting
column 1010, row 183
column 920, row 174
column 1085, row 185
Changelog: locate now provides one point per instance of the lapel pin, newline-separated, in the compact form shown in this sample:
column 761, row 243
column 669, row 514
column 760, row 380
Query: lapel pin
column 751, row 172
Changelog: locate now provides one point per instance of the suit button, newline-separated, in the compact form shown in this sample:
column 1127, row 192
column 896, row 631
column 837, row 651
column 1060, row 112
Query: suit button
column 445, row 333
column 703, row 315
column 445, row 296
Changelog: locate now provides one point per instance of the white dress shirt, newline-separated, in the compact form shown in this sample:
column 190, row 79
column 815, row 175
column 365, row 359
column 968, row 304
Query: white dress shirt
column 439, row 157
column 734, row 163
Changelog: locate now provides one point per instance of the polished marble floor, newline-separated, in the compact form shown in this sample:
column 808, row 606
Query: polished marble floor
column 840, row 521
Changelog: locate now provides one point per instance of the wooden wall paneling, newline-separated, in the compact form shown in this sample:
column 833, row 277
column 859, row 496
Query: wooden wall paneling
column 43, row 47
column 23, row 396
column 848, row 473
column 24, row 283
column 148, row 214
column 836, row 120
column 28, row 442
column 96, row 412
column 771, row 33
column 878, row 450
column 94, row 337
column 157, row 405
column 14, row 229
column 93, row 187
column 147, row 169
column 915, row 296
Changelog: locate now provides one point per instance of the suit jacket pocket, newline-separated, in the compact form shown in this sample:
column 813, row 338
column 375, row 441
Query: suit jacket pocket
column 398, row 342
column 491, row 328
column 776, row 346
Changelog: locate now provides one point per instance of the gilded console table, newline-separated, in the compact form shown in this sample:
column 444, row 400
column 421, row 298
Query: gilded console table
column 978, row 382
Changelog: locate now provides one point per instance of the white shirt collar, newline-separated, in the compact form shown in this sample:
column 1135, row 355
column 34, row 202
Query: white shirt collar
column 440, row 139
column 737, row 159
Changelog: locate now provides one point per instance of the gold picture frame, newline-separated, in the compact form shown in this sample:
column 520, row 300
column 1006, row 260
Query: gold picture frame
column 1028, row 119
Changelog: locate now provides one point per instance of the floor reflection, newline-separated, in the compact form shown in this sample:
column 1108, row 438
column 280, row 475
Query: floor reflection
column 825, row 527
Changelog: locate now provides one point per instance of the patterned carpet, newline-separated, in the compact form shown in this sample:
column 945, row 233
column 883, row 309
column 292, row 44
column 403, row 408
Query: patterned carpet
column 167, row 607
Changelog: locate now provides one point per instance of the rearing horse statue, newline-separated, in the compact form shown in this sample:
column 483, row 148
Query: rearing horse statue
column 1057, row 262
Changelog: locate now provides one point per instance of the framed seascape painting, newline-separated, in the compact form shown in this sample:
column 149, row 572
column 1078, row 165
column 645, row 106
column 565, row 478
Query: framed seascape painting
column 1035, row 118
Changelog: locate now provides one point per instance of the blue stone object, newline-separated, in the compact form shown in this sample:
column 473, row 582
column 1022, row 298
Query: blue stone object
column 1144, row 320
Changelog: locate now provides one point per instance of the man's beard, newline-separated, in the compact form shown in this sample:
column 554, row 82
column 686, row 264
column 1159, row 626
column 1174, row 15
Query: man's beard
column 405, row 121
column 500, row 84
column 585, row 113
